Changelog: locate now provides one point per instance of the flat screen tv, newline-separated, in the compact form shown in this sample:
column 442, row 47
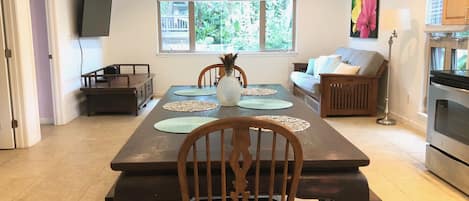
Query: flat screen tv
column 95, row 18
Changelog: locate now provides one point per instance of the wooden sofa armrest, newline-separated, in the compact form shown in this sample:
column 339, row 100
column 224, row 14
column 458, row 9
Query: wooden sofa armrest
column 343, row 76
column 301, row 67
column 348, row 94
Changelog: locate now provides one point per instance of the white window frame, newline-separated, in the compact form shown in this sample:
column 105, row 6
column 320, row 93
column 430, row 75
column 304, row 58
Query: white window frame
column 192, row 40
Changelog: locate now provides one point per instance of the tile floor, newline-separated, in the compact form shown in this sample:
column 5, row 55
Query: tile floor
column 72, row 161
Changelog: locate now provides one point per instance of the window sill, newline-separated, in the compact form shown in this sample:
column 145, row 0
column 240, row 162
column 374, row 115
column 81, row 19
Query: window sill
column 248, row 54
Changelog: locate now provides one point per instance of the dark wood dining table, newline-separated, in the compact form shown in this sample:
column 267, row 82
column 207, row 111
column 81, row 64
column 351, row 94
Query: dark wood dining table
column 148, row 161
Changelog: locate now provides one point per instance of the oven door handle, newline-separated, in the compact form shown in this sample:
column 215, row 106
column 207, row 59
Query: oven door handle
column 448, row 88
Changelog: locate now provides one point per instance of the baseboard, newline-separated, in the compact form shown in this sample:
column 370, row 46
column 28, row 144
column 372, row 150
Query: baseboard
column 410, row 123
column 46, row 120
column 406, row 121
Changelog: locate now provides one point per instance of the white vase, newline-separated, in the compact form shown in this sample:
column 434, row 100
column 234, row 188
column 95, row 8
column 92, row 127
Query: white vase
column 228, row 90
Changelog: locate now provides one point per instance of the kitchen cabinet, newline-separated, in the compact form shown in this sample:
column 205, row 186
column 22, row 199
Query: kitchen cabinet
column 455, row 12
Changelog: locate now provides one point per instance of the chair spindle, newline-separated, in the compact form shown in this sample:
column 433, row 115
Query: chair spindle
column 272, row 167
column 285, row 171
column 223, row 166
column 258, row 164
column 209, row 167
column 196, row 173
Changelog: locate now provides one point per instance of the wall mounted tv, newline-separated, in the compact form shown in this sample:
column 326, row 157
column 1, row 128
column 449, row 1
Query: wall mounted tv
column 95, row 18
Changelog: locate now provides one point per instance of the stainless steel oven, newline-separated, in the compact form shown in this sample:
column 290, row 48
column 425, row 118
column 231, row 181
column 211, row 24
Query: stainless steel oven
column 447, row 153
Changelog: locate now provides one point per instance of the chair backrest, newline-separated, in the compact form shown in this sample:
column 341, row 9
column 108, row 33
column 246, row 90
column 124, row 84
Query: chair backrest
column 210, row 147
column 210, row 75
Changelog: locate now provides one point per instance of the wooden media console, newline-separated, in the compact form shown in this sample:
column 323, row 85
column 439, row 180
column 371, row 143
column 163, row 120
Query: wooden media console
column 118, row 88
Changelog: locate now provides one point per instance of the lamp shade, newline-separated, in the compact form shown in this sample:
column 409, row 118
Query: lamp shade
column 395, row 19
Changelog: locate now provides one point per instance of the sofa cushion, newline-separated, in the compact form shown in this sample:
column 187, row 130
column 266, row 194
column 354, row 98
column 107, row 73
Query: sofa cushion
column 369, row 61
column 306, row 82
column 346, row 69
column 310, row 67
column 326, row 64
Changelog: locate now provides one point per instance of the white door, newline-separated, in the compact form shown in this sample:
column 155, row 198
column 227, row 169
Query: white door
column 7, row 137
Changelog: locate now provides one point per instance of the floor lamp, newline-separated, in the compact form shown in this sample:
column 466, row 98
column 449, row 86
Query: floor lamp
column 391, row 21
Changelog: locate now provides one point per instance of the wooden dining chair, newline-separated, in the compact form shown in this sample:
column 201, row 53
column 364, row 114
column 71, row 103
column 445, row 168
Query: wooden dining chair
column 210, row 75
column 253, row 171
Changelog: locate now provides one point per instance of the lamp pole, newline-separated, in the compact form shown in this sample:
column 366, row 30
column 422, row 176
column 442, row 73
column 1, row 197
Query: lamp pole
column 386, row 120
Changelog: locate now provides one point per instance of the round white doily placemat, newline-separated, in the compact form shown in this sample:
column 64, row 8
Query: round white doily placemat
column 258, row 92
column 292, row 123
column 190, row 106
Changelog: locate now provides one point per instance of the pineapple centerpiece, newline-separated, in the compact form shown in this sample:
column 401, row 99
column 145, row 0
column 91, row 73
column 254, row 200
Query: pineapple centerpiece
column 228, row 88
column 228, row 61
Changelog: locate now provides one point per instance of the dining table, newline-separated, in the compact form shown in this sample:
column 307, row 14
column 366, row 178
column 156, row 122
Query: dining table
column 148, row 160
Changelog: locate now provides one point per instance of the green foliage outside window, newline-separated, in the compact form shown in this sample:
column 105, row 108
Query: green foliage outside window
column 279, row 25
column 221, row 25
column 236, row 25
column 227, row 25
column 462, row 62
column 462, row 34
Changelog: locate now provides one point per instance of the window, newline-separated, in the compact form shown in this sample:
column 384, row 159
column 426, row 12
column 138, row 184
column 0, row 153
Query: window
column 459, row 59
column 437, row 58
column 174, row 25
column 434, row 11
column 448, row 51
column 226, row 25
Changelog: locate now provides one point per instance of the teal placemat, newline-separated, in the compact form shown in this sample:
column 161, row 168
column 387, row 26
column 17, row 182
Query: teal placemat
column 265, row 104
column 182, row 125
column 196, row 92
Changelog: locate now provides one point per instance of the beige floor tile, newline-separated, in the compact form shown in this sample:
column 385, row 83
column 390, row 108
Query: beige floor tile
column 12, row 187
column 100, row 186
column 72, row 162
column 426, row 190
column 397, row 153
column 384, row 188
column 7, row 155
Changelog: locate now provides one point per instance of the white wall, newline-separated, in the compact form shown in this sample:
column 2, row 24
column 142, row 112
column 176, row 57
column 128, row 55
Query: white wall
column 321, row 28
column 407, row 62
column 63, row 16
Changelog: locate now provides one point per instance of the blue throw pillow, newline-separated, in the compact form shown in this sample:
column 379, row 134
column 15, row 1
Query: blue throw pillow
column 310, row 68
column 326, row 64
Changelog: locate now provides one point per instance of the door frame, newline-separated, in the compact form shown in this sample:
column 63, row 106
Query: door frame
column 18, row 31
column 55, row 72
column 9, row 130
column 54, row 63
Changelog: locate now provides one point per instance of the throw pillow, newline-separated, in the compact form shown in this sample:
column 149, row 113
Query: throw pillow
column 326, row 64
column 310, row 68
column 347, row 69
